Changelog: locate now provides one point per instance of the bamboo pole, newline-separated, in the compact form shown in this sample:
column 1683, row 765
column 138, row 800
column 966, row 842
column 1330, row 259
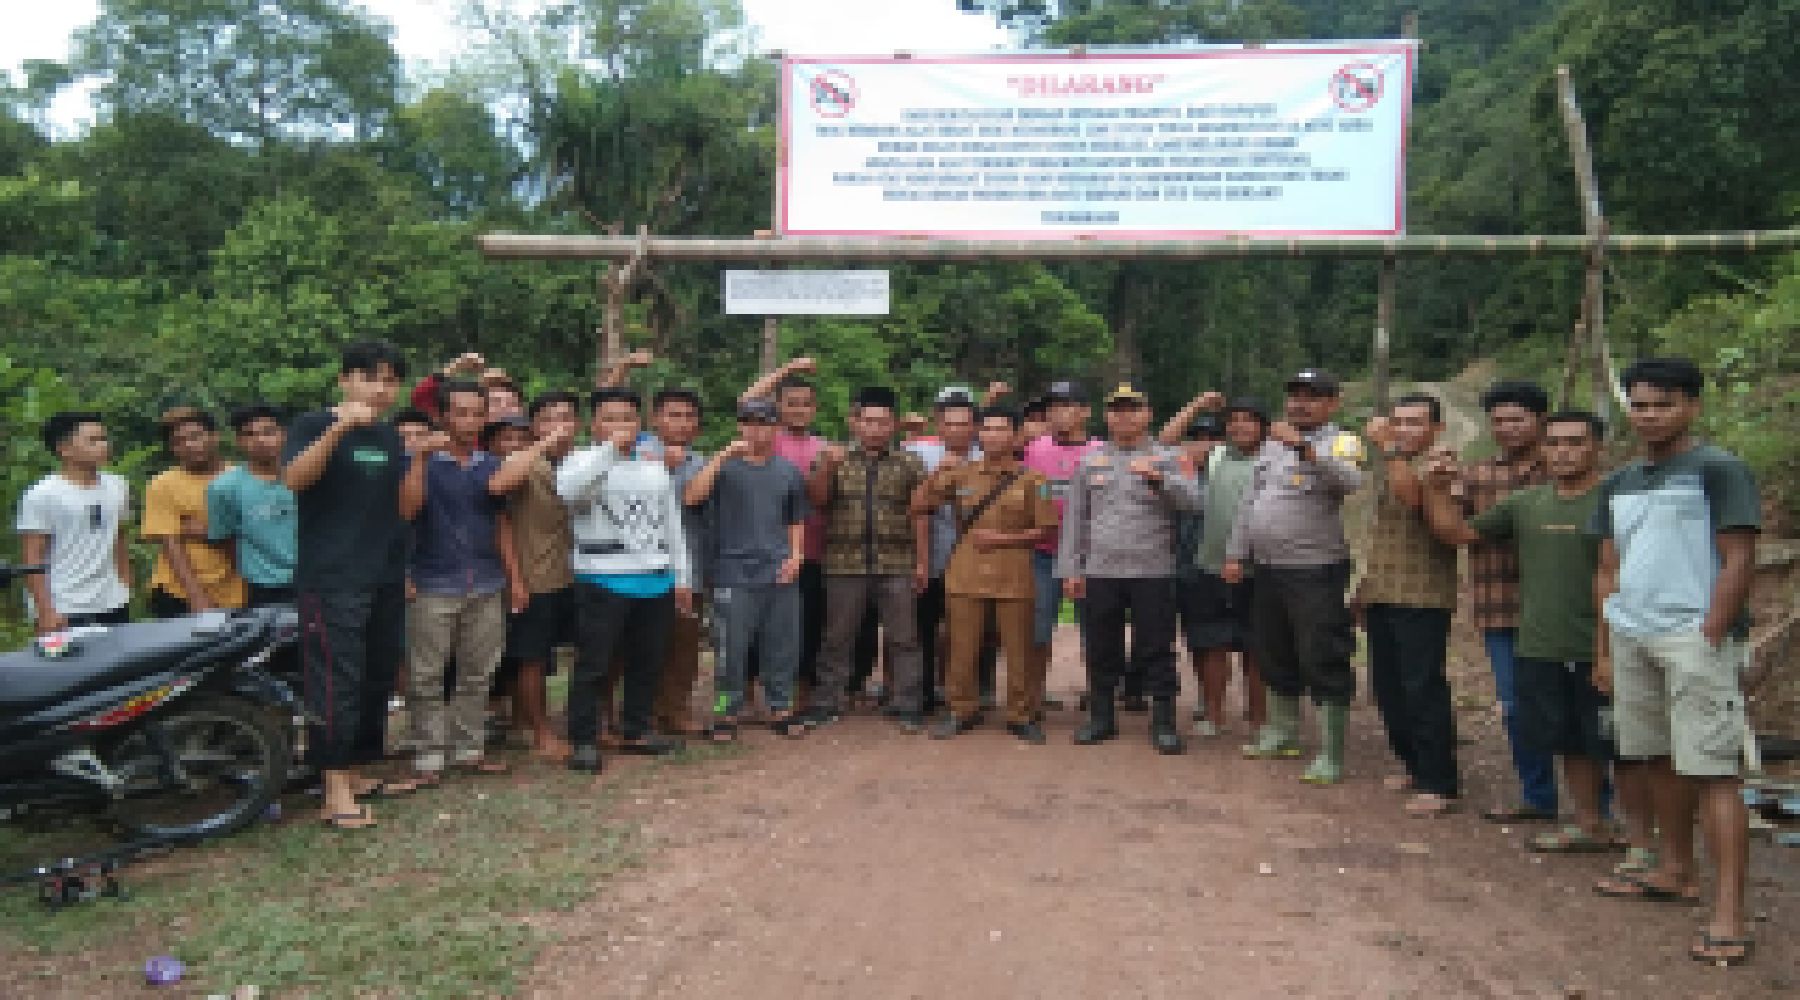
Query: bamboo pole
column 511, row 246
column 1593, row 352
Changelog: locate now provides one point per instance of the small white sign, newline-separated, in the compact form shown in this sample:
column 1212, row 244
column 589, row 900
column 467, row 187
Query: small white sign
column 806, row 293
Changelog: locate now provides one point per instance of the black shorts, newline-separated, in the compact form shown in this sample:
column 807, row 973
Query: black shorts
column 1559, row 709
column 1214, row 614
column 547, row 622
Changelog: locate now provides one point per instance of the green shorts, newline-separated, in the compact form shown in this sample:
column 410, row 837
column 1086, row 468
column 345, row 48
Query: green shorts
column 1678, row 696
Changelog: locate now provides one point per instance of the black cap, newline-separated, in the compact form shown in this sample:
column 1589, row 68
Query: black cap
column 494, row 427
column 1322, row 382
column 1250, row 405
column 1036, row 404
column 1066, row 391
column 1207, row 425
column 877, row 395
column 758, row 411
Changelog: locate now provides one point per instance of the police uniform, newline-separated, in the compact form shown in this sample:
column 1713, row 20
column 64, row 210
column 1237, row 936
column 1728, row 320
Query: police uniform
column 994, row 494
column 1289, row 534
column 1118, row 536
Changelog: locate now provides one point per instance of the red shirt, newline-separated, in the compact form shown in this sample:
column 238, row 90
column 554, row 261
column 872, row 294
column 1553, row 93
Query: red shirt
column 1057, row 462
column 801, row 450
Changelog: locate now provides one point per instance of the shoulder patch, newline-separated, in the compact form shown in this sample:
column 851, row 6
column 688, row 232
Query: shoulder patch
column 1348, row 447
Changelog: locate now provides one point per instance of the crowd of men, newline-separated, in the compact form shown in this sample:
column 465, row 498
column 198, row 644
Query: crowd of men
column 446, row 552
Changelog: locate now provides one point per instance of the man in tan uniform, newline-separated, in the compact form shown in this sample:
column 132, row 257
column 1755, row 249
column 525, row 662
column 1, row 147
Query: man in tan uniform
column 1002, row 511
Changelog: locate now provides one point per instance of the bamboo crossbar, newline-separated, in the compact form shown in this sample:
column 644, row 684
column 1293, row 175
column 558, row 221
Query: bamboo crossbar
column 798, row 249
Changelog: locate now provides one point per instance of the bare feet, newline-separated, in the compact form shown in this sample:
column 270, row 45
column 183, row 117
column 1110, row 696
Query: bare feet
column 550, row 747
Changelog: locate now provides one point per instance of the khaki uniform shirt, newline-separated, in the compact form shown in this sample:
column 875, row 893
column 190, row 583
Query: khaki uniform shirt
column 1407, row 566
column 1025, row 505
column 542, row 538
column 868, row 520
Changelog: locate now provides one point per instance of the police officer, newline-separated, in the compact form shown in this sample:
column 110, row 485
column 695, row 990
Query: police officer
column 1290, row 527
column 1002, row 510
column 1118, row 553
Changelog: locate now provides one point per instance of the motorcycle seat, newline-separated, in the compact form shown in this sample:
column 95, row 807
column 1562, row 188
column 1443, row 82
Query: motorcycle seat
column 121, row 654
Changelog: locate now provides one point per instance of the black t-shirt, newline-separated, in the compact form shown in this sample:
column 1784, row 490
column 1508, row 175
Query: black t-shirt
column 352, row 536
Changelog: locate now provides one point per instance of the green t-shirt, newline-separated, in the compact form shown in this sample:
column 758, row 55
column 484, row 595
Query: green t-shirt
column 1557, row 559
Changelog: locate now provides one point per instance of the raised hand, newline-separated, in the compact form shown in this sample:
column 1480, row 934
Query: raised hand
column 354, row 414
column 1211, row 399
column 465, row 364
column 1380, row 432
column 432, row 443
column 1286, row 434
column 802, row 365
column 737, row 449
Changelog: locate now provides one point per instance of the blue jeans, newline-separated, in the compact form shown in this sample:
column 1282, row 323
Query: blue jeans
column 1536, row 771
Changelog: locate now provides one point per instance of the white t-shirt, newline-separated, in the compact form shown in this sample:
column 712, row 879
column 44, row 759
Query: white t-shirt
column 83, row 524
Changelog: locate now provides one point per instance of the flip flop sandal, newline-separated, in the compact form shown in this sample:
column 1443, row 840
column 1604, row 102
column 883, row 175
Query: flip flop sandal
column 425, row 780
column 1398, row 783
column 1517, row 814
column 1638, row 861
column 1707, row 943
column 482, row 765
column 388, row 788
column 1571, row 840
column 1644, row 891
column 1424, row 808
column 723, row 732
column 361, row 819
column 788, row 726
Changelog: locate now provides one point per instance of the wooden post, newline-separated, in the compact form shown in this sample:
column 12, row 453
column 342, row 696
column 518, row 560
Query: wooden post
column 771, row 344
column 1382, row 369
column 1590, row 348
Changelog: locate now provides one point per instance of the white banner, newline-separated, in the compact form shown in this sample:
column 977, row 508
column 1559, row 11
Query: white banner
column 806, row 293
column 1271, row 142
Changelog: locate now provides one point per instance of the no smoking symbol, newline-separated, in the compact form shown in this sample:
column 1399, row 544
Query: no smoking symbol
column 833, row 94
column 1357, row 87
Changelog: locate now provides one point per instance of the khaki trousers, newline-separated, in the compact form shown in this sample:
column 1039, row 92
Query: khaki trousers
column 967, row 617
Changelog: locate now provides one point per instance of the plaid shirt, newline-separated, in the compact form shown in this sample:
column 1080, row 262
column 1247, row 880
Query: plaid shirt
column 1494, row 567
column 1407, row 566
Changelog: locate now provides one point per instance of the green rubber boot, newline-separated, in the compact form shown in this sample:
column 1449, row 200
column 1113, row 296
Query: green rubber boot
column 1280, row 736
column 1328, row 767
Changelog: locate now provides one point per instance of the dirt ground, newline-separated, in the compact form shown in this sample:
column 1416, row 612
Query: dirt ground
column 864, row 862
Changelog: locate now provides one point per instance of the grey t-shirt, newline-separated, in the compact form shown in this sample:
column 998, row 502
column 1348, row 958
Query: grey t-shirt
column 749, row 512
column 1662, row 518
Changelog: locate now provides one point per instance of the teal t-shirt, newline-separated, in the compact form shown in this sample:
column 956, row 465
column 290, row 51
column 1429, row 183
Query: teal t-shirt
column 260, row 515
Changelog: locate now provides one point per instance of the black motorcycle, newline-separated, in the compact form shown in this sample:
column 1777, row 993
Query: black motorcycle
column 176, row 730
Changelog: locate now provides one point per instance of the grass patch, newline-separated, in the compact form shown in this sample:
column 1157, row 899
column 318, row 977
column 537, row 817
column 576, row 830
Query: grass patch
column 429, row 906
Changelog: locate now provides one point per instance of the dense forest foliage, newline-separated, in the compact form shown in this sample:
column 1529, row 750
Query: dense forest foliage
column 264, row 184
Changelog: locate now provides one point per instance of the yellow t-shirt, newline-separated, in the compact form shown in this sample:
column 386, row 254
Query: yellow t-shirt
column 171, row 498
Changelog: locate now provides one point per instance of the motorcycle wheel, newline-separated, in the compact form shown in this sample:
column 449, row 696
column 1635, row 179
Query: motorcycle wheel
column 235, row 757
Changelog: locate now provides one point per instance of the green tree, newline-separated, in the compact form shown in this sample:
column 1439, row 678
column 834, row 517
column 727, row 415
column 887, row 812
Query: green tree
column 246, row 70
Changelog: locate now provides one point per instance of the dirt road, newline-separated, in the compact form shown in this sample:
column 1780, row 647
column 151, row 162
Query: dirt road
column 862, row 862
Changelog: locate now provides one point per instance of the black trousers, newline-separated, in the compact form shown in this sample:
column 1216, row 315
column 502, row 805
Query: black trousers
column 1303, row 633
column 1149, row 605
column 1407, row 651
column 632, row 632
column 351, row 642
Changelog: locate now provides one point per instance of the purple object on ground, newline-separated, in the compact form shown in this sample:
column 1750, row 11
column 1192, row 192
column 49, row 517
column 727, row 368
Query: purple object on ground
column 163, row 971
